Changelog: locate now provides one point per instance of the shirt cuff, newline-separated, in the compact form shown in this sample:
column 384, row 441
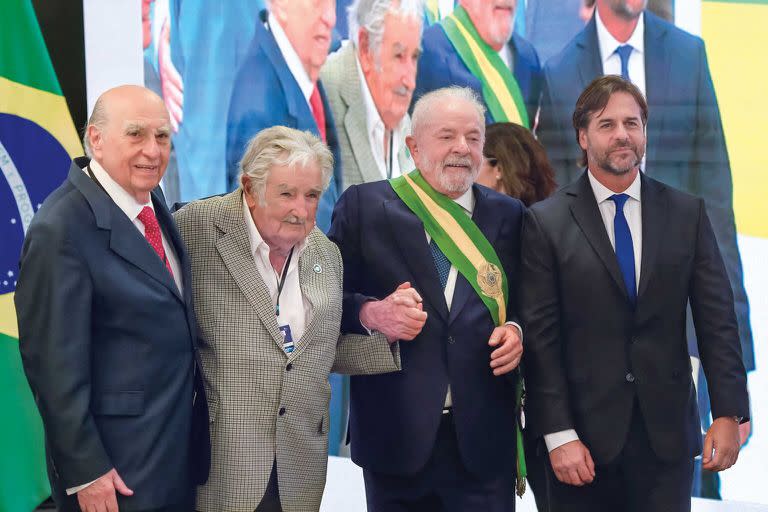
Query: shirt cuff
column 558, row 439
column 75, row 490
column 519, row 329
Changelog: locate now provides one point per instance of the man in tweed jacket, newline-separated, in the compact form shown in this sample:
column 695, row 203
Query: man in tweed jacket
column 268, row 292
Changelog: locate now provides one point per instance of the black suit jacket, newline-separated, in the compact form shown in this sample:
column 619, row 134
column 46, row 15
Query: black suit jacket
column 394, row 417
column 109, row 347
column 686, row 146
column 589, row 354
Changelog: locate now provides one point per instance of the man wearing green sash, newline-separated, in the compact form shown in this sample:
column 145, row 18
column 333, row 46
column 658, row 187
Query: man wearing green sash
column 475, row 47
column 440, row 435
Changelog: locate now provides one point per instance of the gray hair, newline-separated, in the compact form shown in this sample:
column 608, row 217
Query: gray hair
column 280, row 145
column 98, row 120
column 425, row 106
column 370, row 14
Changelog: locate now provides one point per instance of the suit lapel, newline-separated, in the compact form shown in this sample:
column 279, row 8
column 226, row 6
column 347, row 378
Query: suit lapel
column 235, row 251
column 591, row 65
column 587, row 214
column 483, row 216
column 124, row 239
column 657, row 71
column 355, row 118
column 654, row 215
column 412, row 240
column 291, row 90
column 313, row 281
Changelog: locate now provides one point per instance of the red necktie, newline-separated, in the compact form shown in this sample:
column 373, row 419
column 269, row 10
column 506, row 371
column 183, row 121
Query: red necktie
column 318, row 112
column 153, row 235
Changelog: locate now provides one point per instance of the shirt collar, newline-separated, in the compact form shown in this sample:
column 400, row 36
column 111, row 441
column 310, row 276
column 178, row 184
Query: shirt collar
column 467, row 201
column 291, row 57
column 608, row 43
column 125, row 201
column 603, row 193
column 258, row 246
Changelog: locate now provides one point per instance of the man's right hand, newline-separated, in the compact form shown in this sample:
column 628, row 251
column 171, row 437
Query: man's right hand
column 399, row 316
column 100, row 495
column 572, row 463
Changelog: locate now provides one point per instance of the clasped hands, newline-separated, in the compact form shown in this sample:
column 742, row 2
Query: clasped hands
column 401, row 316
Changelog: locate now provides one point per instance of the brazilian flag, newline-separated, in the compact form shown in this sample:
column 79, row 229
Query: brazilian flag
column 37, row 142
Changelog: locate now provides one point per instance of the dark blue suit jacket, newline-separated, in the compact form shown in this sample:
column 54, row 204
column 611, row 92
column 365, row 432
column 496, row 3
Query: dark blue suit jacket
column 440, row 66
column 265, row 94
column 394, row 417
column 686, row 147
column 109, row 348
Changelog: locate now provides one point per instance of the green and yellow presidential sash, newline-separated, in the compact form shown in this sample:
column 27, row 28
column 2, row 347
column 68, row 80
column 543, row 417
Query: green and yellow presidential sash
column 501, row 91
column 471, row 253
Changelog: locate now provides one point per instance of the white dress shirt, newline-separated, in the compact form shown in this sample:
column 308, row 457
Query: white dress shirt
column 609, row 57
column 291, row 58
column 377, row 132
column 633, row 214
column 295, row 308
column 131, row 208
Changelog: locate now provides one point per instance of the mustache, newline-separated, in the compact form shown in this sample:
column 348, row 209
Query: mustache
column 458, row 161
column 403, row 91
column 295, row 220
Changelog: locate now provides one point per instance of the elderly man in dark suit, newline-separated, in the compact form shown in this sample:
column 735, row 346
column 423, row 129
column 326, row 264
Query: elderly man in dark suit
column 106, row 325
column 608, row 265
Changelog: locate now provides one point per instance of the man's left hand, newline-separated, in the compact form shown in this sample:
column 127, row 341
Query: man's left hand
column 509, row 349
column 723, row 438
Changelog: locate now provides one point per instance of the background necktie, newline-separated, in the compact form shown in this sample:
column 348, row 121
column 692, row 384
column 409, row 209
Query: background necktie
column 442, row 264
column 624, row 51
column 318, row 112
column 625, row 251
column 153, row 235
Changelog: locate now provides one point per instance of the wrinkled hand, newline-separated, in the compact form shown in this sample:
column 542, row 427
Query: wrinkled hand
column 723, row 438
column 100, row 495
column 572, row 463
column 170, row 80
column 399, row 316
column 510, row 349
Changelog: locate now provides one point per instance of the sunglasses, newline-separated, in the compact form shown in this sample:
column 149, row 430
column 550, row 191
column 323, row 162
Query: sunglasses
column 493, row 162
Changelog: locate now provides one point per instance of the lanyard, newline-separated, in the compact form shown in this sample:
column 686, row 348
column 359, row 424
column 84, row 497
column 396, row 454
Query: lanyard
column 389, row 169
column 281, row 281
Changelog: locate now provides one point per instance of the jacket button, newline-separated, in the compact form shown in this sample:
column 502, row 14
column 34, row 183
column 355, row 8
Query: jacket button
column 289, row 367
column 281, row 411
column 451, row 340
column 630, row 377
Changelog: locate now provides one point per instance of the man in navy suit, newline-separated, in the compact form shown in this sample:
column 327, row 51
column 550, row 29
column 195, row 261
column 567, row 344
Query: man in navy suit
column 278, row 84
column 106, row 325
column 686, row 147
column 440, row 434
column 440, row 64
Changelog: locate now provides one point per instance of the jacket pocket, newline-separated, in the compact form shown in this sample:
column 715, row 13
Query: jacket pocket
column 325, row 424
column 118, row 403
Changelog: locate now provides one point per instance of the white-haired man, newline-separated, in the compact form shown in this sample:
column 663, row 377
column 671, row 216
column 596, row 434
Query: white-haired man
column 370, row 83
column 267, row 288
column 440, row 435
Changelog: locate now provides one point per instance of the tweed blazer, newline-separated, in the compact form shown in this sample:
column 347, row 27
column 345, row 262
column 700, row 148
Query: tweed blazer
column 345, row 96
column 264, row 404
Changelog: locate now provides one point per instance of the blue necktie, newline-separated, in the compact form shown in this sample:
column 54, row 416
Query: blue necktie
column 624, row 52
column 442, row 264
column 625, row 251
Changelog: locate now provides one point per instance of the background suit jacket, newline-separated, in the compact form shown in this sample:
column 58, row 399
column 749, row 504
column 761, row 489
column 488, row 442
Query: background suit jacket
column 342, row 84
column 686, row 147
column 248, row 375
column 394, row 418
column 589, row 354
column 440, row 66
column 266, row 94
column 108, row 345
